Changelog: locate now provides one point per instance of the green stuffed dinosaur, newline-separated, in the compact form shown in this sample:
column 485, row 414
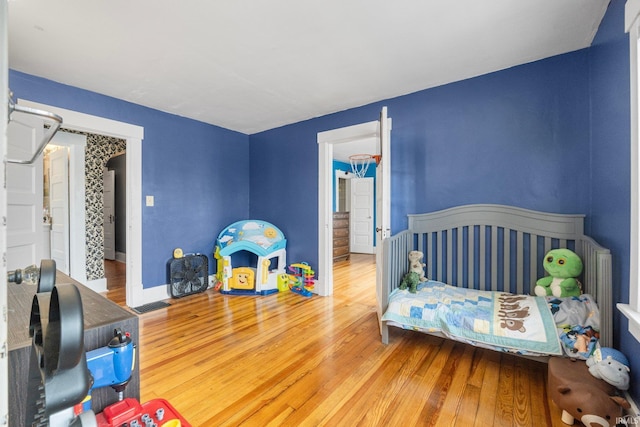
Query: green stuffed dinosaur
column 410, row 280
column 563, row 266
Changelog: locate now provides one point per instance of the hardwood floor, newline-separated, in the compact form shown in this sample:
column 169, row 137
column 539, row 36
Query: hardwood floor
column 285, row 359
column 116, row 275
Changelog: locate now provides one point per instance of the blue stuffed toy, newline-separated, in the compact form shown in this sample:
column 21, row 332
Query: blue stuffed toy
column 610, row 365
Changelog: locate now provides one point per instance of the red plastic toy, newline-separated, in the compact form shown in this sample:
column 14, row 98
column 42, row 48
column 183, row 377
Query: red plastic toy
column 129, row 410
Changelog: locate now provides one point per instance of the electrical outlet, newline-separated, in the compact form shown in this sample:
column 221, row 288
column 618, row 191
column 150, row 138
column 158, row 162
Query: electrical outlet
column 150, row 201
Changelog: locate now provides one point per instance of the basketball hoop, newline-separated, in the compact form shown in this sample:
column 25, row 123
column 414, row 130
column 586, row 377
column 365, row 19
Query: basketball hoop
column 360, row 164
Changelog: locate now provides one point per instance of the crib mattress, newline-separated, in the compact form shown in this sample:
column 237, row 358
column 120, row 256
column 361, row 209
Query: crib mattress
column 522, row 324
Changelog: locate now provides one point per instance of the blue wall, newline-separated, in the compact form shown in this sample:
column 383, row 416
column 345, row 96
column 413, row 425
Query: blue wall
column 610, row 188
column 198, row 173
column 517, row 137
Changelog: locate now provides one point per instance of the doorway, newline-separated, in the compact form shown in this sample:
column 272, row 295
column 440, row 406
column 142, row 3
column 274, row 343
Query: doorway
column 135, row 293
column 75, row 203
column 357, row 197
column 377, row 132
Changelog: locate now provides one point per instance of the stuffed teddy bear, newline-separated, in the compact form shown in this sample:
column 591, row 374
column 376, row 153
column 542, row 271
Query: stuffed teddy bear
column 563, row 266
column 610, row 365
column 410, row 281
column 416, row 265
column 582, row 396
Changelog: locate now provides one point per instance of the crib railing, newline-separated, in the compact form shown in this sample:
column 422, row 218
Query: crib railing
column 598, row 282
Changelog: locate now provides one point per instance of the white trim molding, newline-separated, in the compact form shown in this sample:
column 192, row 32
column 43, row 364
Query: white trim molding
column 634, row 319
column 97, row 285
column 631, row 12
column 121, row 257
column 4, row 112
column 633, row 411
column 632, row 310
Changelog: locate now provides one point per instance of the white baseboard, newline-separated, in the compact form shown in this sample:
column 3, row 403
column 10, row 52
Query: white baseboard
column 98, row 285
column 633, row 411
column 149, row 295
column 162, row 292
column 121, row 257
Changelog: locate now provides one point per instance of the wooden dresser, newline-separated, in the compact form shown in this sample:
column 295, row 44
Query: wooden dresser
column 340, row 236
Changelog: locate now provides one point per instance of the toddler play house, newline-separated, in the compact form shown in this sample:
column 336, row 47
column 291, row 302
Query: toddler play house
column 251, row 238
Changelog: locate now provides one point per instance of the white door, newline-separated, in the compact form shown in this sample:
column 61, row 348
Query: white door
column 59, row 207
column 361, row 217
column 24, row 192
column 383, row 198
column 109, row 215
column 75, row 145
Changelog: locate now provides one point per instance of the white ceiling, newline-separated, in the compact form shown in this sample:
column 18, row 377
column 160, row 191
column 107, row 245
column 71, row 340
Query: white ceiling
column 250, row 65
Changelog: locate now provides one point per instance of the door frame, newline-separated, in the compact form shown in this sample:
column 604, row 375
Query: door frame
column 326, row 141
column 76, row 144
column 135, row 293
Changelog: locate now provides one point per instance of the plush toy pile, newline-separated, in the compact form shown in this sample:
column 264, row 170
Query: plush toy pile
column 588, row 391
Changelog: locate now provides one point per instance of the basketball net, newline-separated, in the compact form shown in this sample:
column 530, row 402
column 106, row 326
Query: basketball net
column 360, row 164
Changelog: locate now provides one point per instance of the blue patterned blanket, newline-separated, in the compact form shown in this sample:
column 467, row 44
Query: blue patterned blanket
column 506, row 322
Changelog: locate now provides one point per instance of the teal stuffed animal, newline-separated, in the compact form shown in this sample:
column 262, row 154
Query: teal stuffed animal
column 563, row 266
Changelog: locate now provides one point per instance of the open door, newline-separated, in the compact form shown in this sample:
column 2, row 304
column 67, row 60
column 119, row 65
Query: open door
column 109, row 215
column 24, row 191
column 383, row 198
column 59, row 207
